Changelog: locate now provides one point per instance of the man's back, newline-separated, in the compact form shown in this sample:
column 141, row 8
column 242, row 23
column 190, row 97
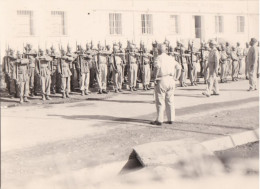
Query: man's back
column 166, row 65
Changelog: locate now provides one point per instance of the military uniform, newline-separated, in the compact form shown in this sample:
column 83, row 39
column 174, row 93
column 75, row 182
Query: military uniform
column 245, row 52
column 85, row 66
column 9, row 69
column 205, row 66
column 55, row 79
column 146, row 70
column 133, row 68
column 43, row 69
column 184, row 72
column 22, row 73
column 117, row 62
column 65, row 73
column 223, row 66
column 213, row 65
column 101, row 60
column 193, row 70
column 240, row 58
column 252, row 59
column 229, row 60
column 235, row 65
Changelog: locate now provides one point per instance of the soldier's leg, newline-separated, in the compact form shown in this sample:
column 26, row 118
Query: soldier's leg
column 20, row 86
column 98, row 75
column 7, row 81
column 63, row 86
column 130, row 76
column 252, row 78
column 120, row 78
column 135, row 75
column 53, row 83
column 215, row 85
column 82, row 82
column 209, row 85
column 169, row 101
column 240, row 67
column 191, row 76
column 26, row 90
column 68, row 81
column 246, row 69
column 48, row 87
column 159, row 102
column 43, row 87
column 104, row 78
column 87, row 75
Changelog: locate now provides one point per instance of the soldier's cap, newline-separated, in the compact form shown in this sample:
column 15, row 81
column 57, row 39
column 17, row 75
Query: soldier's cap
column 253, row 40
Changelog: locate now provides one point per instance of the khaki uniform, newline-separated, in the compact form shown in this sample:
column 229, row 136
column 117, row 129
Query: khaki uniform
column 64, row 70
column 235, row 65
column 193, row 70
column 213, row 65
column 22, row 73
column 102, row 62
column 240, row 58
column 229, row 61
column 44, row 71
column 117, row 72
column 32, row 74
column 164, row 89
column 146, row 70
column 223, row 65
column 252, row 59
column 85, row 67
column 133, row 68
column 9, row 71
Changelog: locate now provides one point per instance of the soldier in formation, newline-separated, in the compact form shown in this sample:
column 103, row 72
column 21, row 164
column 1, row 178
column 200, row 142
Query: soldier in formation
column 120, row 68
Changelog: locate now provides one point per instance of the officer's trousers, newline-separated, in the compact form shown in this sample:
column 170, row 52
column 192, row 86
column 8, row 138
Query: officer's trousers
column 133, row 75
column 164, row 98
column 84, row 81
column 55, row 85
column 45, row 85
column 240, row 65
column 23, row 87
column 223, row 70
column 31, row 78
column 184, row 73
column 146, row 74
column 102, row 77
column 212, row 84
column 10, row 84
column 118, row 77
column 252, row 77
column 235, row 68
column 65, row 84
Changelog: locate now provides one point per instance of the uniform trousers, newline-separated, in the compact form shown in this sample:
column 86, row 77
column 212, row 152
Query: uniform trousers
column 102, row 77
column 164, row 98
column 184, row 73
column 65, row 84
column 133, row 75
column 146, row 74
column 223, row 70
column 45, row 85
column 118, row 77
column 240, row 65
column 84, row 81
column 235, row 68
column 23, row 87
column 246, row 68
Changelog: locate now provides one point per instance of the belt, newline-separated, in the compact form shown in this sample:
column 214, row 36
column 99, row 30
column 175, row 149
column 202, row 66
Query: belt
column 164, row 76
column 133, row 63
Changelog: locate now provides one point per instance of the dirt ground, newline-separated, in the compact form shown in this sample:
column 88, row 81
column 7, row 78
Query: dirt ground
column 23, row 166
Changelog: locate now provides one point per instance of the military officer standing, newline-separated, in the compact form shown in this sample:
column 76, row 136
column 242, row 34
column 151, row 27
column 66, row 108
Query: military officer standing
column 43, row 69
column 165, row 85
column 85, row 63
column 252, row 59
column 213, row 65
column 55, row 79
column 146, row 68
column 101, row 63
column 235, row 65
column 8, row 69
column 65, row 73
column 223, row 65
column 133, row 67
column 183, row 62
column 22, row 76
column 117, row 65
column 240, row 58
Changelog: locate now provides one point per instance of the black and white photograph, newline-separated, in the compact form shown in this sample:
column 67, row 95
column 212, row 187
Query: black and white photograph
column 129, row 94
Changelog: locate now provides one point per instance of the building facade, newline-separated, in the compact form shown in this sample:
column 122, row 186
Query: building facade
column 58, row 22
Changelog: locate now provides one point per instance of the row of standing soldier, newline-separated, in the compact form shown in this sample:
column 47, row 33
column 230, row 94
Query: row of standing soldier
column 51, row 72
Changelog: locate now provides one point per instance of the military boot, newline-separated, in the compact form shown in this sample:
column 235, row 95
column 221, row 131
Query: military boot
column 82, row 93
column 67, row 95
column 21, row 100
column 63, row 95
column 43, row 97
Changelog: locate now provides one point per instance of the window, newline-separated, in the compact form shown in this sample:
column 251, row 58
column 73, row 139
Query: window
column 174, row 24
column 219, row 24
column 58, row 23
column 240, row 24
column 147, row 24
column 25, row 23
column 115, row 23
